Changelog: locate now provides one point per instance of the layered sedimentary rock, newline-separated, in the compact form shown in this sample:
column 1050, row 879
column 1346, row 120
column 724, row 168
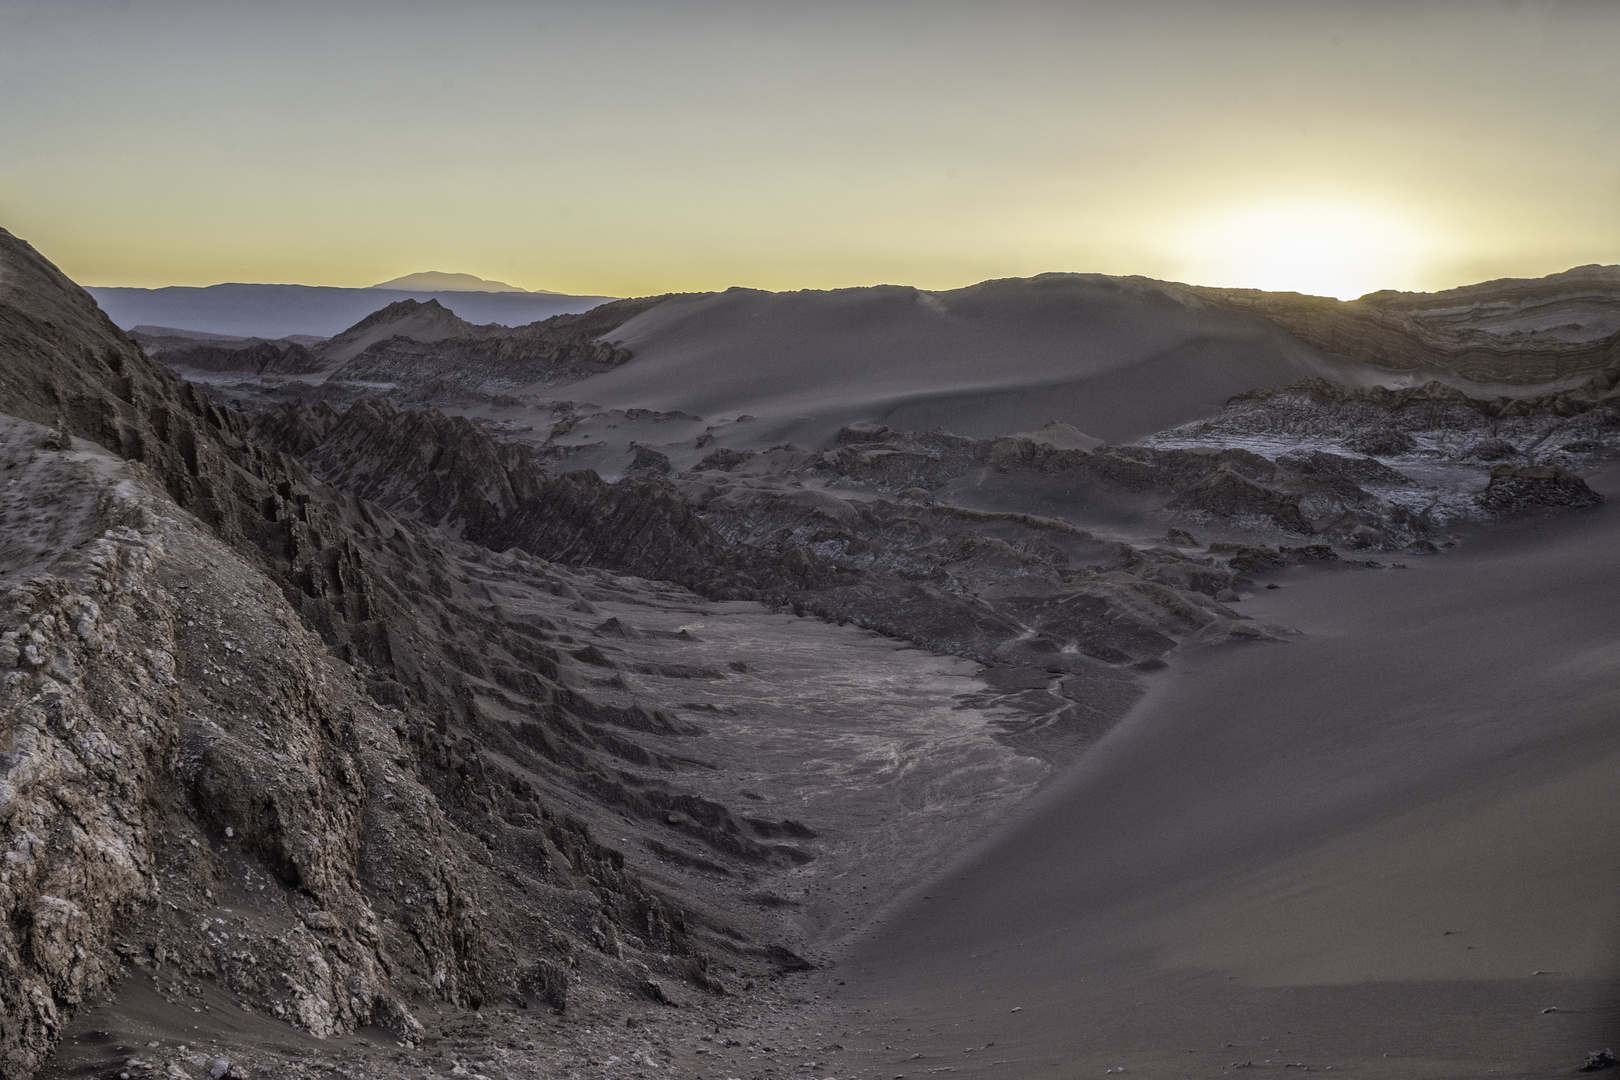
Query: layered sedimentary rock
column 1518, row 331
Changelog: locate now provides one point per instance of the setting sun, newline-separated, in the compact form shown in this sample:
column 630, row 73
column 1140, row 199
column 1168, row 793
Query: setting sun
column 1323, row 250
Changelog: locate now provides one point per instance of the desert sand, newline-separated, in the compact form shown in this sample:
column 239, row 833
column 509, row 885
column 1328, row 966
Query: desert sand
column 1386, row 847
column 1117, row 358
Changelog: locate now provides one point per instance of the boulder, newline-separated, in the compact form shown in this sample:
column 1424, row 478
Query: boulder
column 1523, row 487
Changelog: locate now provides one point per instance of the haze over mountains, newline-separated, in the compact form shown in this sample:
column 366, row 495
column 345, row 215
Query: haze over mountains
column 440, row 281
column 625, row 692
column 276, row 311
column 1118, row 358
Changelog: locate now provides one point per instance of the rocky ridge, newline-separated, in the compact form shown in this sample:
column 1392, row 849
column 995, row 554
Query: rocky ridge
column 300, row 814
column 262, row 358
column 413, row 343
column 1580, row 304
column 1432, row 449
column 1519, row 332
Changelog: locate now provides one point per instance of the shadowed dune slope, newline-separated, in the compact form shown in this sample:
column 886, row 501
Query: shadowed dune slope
column 1115, row 357
column 1386, row 846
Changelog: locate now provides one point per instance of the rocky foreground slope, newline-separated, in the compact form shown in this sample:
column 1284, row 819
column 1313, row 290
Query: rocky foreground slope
column 230, row 681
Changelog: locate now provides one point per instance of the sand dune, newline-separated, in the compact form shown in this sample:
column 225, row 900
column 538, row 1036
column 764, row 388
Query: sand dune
column 1116, row 358
column 1386, row 846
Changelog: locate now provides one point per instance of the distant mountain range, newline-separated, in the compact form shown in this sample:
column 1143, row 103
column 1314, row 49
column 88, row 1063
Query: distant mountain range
column 439, row 281
column 279, row 311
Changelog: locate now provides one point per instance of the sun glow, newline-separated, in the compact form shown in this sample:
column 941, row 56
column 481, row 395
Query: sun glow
column 1323, row 250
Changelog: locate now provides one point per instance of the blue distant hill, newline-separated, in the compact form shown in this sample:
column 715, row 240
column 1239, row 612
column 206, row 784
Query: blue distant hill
column 274, row 311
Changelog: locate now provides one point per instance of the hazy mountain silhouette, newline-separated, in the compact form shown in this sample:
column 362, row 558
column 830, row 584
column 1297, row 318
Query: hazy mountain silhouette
column 278, row 311
column 440, row 281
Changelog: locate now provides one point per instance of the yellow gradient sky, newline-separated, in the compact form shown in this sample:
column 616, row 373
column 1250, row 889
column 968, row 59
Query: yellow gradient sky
column 637, row 147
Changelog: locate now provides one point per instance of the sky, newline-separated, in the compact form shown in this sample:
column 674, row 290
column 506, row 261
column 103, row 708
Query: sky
column 629, row 147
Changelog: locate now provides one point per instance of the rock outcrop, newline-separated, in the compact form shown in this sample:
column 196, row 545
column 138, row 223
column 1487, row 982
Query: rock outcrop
column 1304, row 495
column 1517, row 487
column 260, row 358
column 1384, row 439
column 411, row 344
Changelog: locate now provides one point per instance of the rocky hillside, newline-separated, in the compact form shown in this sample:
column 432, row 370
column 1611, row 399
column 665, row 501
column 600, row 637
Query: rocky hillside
column 1514, row 331
column 261, row 358
column 1582, row 304
column 225, row 676
column 1434, row 450
column 412, row 343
